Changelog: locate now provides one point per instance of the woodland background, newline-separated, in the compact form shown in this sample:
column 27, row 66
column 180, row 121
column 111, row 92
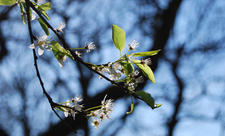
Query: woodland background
column 189, row 70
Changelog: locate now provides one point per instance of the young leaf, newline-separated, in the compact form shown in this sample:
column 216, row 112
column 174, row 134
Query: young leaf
column 149, row 53
column 147, row 98
column 43, row 25
column 45, row 14
column 158, row 105
column 118, row 37
column 147, row 71
column 132, row 106
column 57, row 46
column 7, row 2
column 57, row 49
column 45, row 6
column 128, row 68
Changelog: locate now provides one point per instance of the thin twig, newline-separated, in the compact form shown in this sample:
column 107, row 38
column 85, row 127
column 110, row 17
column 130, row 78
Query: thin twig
column 36, row 67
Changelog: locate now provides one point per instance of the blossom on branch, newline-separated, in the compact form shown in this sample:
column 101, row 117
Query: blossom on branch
column 75, row 101
column 90, row 46
column 95, row 123
column 146, row 61
column 60, row 27
column 61, row 61
column 134, row 45
column 24, row 15
column 107, row 107
column 78, row 54
column 42, row 43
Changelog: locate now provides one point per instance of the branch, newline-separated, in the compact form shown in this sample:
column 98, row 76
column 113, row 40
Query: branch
column 52, row 104
column 65, row 45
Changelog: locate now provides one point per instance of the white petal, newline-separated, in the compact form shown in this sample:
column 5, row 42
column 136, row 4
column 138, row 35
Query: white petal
column 40, row 50
column 47, row 47
column 66, row 114
column 61, row 63
column 43, row 38
column 33, row 17
column 34, row 45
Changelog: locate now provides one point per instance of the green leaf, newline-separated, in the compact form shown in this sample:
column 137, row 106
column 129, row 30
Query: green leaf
column 149, row 53
column 146, row 70
column 158, row 105
column 147, row 98
column 57, row 46
column 128, row 67
column 45, row 14
column 43, row 25
column 45, row 6
column 57, row 49
column 7, row 2
column 118, row 37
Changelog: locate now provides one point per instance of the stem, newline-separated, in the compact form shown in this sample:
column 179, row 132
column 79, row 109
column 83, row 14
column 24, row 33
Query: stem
column 88, row 118
column 77, row 48
column 93, row 108
column 53, row 36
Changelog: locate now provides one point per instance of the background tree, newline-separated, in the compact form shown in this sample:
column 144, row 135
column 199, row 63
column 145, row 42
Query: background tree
column 189, row 70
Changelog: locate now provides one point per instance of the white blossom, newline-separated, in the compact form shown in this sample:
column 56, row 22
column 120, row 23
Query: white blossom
column 78, row 54
column 146, row 61
column 117, row 65
column 61, row 61
column 90, row 46
column 131, row 57
column 26, row 18
column 75, row 100
column 107, row 107
column 134, row 45
column 42, row 42
column 66, row 112
column 102, row 71
column 95, row 123
column 140, row 79
column 60, row 27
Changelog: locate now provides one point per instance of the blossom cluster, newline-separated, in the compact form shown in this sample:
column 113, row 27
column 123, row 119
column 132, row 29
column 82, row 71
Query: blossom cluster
column 116, row 69
column 74, row 106
column 61, row 54
column 102, row 112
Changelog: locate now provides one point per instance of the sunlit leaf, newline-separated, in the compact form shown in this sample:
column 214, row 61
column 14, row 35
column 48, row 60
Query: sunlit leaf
column 147, row 98
column 118, row 37
column 128, row 68
column 45, row 6
column 59, row 51
column 146, row 70
column 45, row 14
column 57, row 46
column 149, row 53
column 158, row 105
column 43, row 25
column 7, row 2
